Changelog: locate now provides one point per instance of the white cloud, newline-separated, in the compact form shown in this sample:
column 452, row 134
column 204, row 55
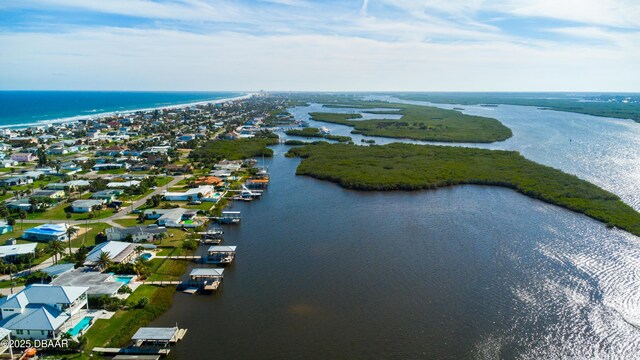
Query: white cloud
column 135, row 59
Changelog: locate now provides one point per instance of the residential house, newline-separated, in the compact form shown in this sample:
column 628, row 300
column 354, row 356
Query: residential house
column 23, row 157
column 135, row 233
column 179, row 169
column 47, row 232
column 42, row 311
column 204, row 191
column 107, row 195
column 9, row 252
column 8, row 163
column 5, row 227
column 85, row 206
column 173, row 218
column 119, row 252
column 110, row 166
column 49, row 194
column 99, row 284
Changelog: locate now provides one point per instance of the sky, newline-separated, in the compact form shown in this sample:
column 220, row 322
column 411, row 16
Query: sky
column 306, row 45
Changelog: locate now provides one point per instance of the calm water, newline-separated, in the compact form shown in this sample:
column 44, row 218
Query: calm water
column 18, row 108
column 465, row 272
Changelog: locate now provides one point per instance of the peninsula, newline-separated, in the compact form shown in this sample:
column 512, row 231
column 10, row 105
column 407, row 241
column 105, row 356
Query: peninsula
column 400, row 166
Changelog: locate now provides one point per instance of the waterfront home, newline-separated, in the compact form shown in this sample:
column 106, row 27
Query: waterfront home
column 23, row 157
column 209, row 180
column 173, row 218
column 204, row 191
column 205, row 278
column 5, row 227
column 228, row 165
column 98, row 284
column 47, row 232
column 49, row 194
column 119, row 252
column 85, row 206
column 41, row 311
column 9, row 253
column 221, row 255
column 135, row 233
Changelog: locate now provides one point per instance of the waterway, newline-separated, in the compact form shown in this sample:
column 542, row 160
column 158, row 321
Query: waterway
column 465, row 272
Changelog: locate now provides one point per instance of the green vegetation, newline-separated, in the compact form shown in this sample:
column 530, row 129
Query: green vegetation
column 413, row 167
column 118, row 330
column 315, row 132
column 595, row 105
column 422, row 123
column 295, row 142
column 216, row 150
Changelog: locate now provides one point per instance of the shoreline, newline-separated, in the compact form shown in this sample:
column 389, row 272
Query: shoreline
column 76, row 118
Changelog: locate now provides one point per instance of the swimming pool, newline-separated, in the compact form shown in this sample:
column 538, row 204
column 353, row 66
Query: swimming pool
column 146, row 256
column 125, row 279
column 80, row 326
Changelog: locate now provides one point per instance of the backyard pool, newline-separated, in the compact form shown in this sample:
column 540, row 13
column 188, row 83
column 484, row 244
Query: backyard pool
column 125, row 279
column 147, row 256
column 80, row 326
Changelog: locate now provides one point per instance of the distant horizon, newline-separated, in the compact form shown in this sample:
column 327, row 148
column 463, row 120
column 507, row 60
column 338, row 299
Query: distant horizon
column 337, row 91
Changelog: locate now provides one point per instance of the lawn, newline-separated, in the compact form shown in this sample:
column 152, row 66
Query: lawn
column 59, row 212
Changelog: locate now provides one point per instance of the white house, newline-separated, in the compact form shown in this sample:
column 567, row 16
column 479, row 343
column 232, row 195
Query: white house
column 41, row 311
column 204, row 191
column 84, row 206
column 119, row 252
column 23, row 157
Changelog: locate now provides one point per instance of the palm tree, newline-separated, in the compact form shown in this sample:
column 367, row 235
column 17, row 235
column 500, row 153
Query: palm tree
column 23, row 215
column 104, row 260
column 12, row 268
column 140, row 266
column 55, row 247
column 70, row 232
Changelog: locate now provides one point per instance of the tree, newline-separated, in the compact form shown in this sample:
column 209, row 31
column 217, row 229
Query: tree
column 42, row 156
column 11, row 221
column 141, row 217
column 80, row 256
column 12, row 268
column 56, row 248
column 71, row 231
column 23, row 215
column 104, row 260
column 140, row 267
column 34, row 203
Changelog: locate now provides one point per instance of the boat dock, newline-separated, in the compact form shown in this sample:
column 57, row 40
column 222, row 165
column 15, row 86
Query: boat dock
column 220, row 255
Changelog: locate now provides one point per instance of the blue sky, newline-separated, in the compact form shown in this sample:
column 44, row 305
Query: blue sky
column 404, row 45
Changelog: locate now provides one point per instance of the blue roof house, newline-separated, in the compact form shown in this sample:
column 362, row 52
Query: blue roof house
column 47, row 232
column 42, row 311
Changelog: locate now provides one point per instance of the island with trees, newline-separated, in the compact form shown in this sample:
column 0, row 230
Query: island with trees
column 400, row 166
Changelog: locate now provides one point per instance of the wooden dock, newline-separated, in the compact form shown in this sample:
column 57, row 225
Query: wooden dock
column 132, row 350
column 163, row 282
column 180, row 257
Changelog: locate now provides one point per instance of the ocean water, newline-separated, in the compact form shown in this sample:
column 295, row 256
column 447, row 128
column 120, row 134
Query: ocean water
column 19, row 108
